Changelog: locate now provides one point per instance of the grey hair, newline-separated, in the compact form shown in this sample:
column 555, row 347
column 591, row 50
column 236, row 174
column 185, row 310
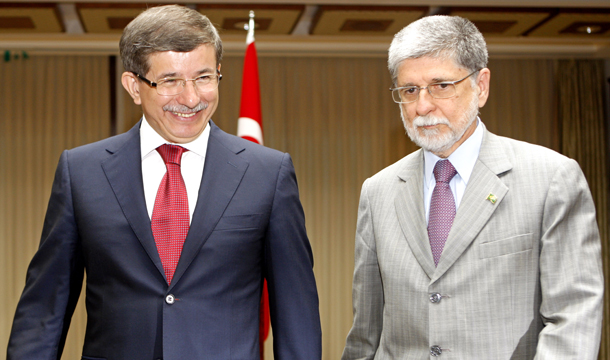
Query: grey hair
column 441, row 37
column 165, row 28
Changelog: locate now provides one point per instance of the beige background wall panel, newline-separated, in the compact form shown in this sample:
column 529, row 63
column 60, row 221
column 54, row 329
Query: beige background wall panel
column 47, row 104
column 522, row 103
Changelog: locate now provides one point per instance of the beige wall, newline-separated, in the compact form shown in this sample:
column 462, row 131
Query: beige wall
column 335, row 117
column 47, row 104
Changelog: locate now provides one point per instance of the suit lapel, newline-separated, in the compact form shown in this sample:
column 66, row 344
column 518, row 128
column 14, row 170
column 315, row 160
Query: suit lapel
column 123, row 170
column 410, row 211
column 475, row 208
column 222, row 174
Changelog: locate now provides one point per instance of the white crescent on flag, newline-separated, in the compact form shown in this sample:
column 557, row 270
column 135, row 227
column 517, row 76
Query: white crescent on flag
column 250, row 127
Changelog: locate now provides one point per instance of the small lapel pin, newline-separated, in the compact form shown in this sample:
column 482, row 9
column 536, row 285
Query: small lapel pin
column 492, row 198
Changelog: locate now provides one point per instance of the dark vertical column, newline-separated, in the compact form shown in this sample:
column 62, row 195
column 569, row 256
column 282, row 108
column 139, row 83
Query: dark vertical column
column 113, row 102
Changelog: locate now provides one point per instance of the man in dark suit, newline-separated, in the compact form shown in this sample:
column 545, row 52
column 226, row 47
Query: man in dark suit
column 175, row 250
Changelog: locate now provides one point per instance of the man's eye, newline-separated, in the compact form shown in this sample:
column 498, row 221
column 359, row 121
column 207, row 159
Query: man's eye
column 410, row 91
column 203, row 79
column 442, row 86
column 169, row 82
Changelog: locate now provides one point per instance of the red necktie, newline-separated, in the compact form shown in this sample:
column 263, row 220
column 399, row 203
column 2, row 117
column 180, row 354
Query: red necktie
column 170, row 219
column 442, row 208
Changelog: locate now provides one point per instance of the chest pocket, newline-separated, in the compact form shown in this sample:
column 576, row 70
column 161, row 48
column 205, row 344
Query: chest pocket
column 511, row 245
column 239, row 222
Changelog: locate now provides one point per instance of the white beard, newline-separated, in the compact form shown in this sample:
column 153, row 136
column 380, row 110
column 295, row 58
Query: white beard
column 432, row 139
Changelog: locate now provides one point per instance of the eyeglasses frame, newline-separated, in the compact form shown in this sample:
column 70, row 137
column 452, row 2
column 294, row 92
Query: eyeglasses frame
column 428, row 88
column 154, row 84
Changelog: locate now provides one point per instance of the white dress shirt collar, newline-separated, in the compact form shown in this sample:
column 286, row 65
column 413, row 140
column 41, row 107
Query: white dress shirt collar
column 154, row 168
column 463, row 158
column 151, row 140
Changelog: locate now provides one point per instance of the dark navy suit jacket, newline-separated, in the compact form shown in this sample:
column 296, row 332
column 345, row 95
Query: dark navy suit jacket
column 248, row 225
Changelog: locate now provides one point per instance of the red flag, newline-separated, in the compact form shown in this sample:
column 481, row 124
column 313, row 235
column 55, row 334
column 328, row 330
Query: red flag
column 250, row 122
column 250, row 127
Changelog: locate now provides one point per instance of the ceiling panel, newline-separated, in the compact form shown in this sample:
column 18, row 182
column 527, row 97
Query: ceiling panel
column 294, row 27
column 503, row 21
column 576, row 23
column 107, row 18
column 364, row 20
column 29, row 18
column 269, row 19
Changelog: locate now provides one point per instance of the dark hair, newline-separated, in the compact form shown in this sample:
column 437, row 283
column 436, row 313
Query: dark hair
column 165, row 28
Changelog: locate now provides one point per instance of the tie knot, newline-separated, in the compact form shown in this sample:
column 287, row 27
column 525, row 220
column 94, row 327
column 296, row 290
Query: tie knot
column 171, row 153
column 444, row 171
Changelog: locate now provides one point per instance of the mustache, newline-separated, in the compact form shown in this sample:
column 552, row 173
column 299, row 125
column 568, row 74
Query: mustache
column 429, row 120
column 185, row 109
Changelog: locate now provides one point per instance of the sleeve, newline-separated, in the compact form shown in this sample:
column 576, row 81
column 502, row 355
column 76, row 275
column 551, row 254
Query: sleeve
column 293, row 297
column 53, row 282
column 571, row 276
column 367, row 293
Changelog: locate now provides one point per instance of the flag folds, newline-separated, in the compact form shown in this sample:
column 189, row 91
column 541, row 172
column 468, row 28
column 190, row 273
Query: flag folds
column 250, row 127
column 250, row 122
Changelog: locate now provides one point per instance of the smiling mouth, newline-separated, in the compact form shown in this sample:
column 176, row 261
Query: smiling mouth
column 184, row 115
column 185, row 112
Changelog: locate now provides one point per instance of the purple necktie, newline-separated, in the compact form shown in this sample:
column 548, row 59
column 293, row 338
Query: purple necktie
column 442, row 208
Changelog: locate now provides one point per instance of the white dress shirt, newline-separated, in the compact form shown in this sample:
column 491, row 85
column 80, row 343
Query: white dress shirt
column 153, row 166
column 462, row 159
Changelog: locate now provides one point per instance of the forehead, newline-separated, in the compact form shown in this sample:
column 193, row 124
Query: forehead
column 201, row 59
column 427, row 69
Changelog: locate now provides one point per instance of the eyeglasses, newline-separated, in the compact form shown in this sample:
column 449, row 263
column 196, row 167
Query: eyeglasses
column 175, row 86
column 441, row 90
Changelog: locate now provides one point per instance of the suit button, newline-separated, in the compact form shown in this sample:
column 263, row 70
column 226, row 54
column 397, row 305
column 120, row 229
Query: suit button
column 170, row 299
column 435, row 298
column 436, row 350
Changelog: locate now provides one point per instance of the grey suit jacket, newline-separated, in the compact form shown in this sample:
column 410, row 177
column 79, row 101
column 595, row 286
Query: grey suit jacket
column 519, row 278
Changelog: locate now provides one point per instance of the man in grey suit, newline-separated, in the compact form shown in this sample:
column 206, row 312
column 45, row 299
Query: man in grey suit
column 500, row 259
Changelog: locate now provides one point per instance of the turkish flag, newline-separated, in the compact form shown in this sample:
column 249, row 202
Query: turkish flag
column 250, row 127
column 250, row 122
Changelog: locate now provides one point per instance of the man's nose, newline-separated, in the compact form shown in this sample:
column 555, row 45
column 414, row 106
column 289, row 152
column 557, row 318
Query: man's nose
column 190, row 95
column 424, row 103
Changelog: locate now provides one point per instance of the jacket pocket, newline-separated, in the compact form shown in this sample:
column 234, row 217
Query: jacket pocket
column 239, row 222
column 511, row 245
column 91, row 358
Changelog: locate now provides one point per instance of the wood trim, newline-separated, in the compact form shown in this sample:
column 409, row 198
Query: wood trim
column 28, row 5
column 251, row 6
column 112, row 80
column 142, row 6
column 306, row 46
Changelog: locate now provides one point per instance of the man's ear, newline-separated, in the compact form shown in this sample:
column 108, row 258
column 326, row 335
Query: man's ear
column 132, row 85
column 483, row 85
